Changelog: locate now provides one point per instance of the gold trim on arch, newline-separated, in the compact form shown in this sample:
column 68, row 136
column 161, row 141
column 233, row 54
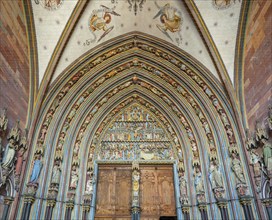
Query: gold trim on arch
column 239, row 62
column 33, row 59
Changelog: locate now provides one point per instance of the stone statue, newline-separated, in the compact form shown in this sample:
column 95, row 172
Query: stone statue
column 199, row 182
column 260, row 132
column 183, row 190
column 56, row 174
column 135, row 187
column 237, row 169
column 267, row 152
column 89, row 186
column 15, row 132
column 255, row 162
column 215, row 177
column 9, row 154
column 36, row 170
column 3, row 120
column 74, row 178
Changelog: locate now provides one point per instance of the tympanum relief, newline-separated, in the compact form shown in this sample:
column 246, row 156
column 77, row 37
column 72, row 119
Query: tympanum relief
column 135, row 135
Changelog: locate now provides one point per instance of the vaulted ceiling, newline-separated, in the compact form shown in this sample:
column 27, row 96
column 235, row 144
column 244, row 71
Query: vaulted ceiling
column 205, row 30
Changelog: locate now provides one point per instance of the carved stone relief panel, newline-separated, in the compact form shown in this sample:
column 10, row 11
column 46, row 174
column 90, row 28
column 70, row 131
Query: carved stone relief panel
column 135, row 134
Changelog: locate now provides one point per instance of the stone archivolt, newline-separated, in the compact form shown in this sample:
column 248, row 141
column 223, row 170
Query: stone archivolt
column 141, row 48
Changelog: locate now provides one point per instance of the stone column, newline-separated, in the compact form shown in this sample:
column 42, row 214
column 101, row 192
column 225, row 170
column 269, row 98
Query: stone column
column 268, row 206
column 135, row 213
column 93, row 202
column 70, row 204
column 247, row 208
column 86, row 206
column 203, row 211
column 49, row 208
column 223, row 207
column 29, row 199
column 51, row 201
column 186, row 212
column 7, row 201
column 135, row 207
column 177, row 192
column 69, row 209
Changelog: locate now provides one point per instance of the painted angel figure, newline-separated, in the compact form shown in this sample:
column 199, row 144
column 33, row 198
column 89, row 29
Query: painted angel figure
column 170, row 20
column 100, row 19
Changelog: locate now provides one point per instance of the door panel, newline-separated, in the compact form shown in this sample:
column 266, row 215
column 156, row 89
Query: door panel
column 114, row 192
column 157, row 192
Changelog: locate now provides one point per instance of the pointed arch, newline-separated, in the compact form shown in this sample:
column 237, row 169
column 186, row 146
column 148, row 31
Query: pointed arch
column 182, row 90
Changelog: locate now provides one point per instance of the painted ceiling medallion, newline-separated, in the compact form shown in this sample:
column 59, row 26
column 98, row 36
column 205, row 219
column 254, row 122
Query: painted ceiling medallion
column 171, row 20
column 223, row 4
column 50, row 4
column 136, row 4
column 100, row 20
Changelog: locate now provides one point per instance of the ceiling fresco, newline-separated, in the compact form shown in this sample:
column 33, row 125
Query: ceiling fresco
column 50, row 18
column 222, row 19
column 103, row 20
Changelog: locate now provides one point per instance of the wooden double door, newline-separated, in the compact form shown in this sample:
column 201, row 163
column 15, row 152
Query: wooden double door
column 114, row 192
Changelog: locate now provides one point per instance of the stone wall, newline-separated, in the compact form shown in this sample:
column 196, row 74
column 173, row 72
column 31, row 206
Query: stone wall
column 14, row 59
column 258, row 65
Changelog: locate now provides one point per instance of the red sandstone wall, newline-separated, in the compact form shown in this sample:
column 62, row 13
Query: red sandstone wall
column 14, row 61
column 258, row 61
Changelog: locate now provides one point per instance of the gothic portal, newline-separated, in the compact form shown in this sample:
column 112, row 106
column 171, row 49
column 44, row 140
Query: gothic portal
column 137, row 104
column 135, row 110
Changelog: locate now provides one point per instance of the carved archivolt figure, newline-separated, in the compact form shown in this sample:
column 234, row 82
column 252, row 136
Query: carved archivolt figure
column 215, row 177
column 9, row 154
column 89, row 186
column 237, row 169
column 3, row 120
column 183, row 190
column 199, row 182
column 56, row 174
column 74, row 178
column 36, row 170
